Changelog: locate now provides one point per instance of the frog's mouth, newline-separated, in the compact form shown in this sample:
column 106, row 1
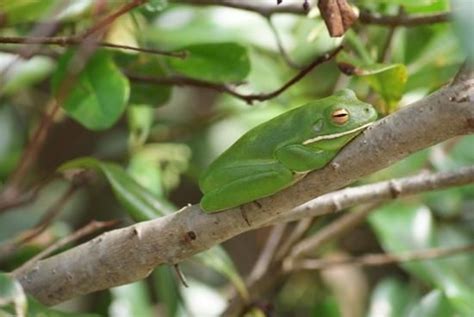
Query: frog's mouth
column 336, row 135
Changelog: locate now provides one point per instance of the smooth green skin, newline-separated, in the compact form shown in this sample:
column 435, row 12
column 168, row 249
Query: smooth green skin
column 274, row 154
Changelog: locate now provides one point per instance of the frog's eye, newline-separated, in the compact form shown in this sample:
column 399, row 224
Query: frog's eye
column 340, row 116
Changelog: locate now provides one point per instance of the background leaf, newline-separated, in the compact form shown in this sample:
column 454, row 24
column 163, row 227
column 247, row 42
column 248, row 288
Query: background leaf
column 98, row 95
column 221, row 62
column 138, row 201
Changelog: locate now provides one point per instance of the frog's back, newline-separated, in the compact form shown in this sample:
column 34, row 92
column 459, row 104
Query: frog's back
column 260, row 142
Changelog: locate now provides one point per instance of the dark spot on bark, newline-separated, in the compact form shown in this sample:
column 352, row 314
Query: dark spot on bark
column 191, row 235
column 395, row 190
column 470, row 122
column 259, row 205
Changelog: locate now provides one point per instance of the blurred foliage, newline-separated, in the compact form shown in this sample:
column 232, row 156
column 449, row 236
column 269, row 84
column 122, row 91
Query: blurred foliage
column 150, row 142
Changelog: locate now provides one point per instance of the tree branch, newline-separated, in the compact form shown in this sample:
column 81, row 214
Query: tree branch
column 72, row 41
column 403, row 20
column 365, row 17
column 249, row 98
column 380, row 259
column 129, row 254
column 381, row 191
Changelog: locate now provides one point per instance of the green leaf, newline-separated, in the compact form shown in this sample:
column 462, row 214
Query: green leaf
column 11, row 140
column 409, row 226
column 145, row 65
column 434, row 304
column 36, row 309
column 166, row 288
column 221, row 62
column 140, row 204
column 140, row 120
column 156, row 5
column 390, row 298
column 158, row 166
column 386, row 79
column 26, row 10
column 217, row 259
column 97, row 96
column 131, row 300
column 11, row 294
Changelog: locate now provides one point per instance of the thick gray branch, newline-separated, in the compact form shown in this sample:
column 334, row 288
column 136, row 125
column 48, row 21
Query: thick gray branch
column 129, row 254
column 341, row 199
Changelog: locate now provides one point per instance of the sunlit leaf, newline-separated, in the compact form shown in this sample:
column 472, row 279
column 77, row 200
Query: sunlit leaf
column 97, row 96
column 404, row 227
column 12, row 295
column 158, row 166
column 140, row 120
column 433, row 304
column 131, row 300
column 391, row 298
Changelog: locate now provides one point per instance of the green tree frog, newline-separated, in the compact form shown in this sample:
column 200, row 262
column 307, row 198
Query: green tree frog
column 277, row 153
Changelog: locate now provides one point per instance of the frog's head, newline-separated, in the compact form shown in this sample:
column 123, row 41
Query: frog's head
column 343, row 116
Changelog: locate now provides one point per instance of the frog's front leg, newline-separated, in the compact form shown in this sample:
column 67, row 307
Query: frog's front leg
column 301, row 158
column 259, row 180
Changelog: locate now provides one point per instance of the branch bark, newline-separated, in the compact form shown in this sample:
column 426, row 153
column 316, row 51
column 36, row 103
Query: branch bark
column 381, row 259
column 129, row 254
column 366, row 17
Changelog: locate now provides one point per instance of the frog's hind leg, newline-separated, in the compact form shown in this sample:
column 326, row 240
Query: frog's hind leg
column 264, row 180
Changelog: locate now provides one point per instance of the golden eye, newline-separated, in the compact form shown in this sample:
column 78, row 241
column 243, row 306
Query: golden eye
column 340, row 116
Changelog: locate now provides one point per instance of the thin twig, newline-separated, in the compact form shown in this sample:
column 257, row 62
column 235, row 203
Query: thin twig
column 380, row 259
column 180, row 275
column 385, row 52
column 364, row 16
column 264, row 9
column 404, row 20
column 280, row 45
column 7, row 203
column 298, row 232
column 332, row 231
column 88, row 229
column 249, row 98
column 267, row 253
column 72, row 41
column 7, row 248
column 31, row 152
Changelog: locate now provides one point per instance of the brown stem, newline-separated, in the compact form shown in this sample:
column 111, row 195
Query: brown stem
column 404, row 20
column 71, row 41
column 380, row 259
column 249, row 98
column 280, row 46
column 9, row 247
column 364, row 16
column 31, row 152
column 88, row 229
